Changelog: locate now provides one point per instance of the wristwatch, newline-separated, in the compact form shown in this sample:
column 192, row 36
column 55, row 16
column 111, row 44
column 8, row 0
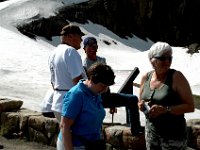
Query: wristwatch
column 168, row 109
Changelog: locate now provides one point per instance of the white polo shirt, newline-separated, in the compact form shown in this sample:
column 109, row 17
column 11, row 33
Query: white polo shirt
column 65, row 64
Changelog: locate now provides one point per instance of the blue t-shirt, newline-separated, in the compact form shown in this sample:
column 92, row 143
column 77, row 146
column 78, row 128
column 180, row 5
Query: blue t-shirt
column 86, row 109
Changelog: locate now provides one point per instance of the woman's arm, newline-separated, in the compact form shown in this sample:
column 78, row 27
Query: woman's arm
column 141, row 102
column 182, row 87
column 65, row 126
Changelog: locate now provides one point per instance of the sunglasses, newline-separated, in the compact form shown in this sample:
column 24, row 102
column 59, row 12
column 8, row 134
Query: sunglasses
column 94, row 46
column 164, row 58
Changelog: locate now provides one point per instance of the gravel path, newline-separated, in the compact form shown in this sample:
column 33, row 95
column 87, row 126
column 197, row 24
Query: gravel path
column 17, row 144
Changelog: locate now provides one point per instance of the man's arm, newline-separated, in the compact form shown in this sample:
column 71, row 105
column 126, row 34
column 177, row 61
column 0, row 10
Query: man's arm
column 76, row 79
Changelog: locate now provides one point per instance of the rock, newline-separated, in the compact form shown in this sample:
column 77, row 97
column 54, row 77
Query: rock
column 33, row 126
column 37, row 136
column 120, row 136
column 193, row 48
column 168, row 21
column 9, row 124
column 8, row 104
column 194, row 133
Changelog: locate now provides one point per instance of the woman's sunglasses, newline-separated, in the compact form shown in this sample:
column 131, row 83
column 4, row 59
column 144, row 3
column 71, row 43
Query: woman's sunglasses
column 164, row 58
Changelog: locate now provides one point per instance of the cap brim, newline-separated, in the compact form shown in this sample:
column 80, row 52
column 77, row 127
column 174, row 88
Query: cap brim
column 82, row 34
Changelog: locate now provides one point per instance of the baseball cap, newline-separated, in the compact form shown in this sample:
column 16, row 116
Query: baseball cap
column 89, row 41
column 71, row 29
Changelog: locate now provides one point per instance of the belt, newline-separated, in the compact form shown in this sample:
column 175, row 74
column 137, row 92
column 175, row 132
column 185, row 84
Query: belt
column 56, row 89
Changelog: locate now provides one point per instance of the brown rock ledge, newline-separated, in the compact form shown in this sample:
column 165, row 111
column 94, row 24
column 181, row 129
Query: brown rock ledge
column 25, row 129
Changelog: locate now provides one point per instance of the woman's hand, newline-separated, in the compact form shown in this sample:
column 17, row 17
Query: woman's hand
column 141, row 104
column 156, row 110
column 144, row 107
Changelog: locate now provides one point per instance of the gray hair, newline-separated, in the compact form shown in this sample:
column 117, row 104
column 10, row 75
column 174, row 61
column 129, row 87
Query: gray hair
column 158, row 48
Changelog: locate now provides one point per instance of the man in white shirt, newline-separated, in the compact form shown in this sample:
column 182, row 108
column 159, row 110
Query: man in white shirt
column 65, row 65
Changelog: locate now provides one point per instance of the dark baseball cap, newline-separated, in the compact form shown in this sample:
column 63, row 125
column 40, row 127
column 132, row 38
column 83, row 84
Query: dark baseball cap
column 71, row 29
column 89, row 41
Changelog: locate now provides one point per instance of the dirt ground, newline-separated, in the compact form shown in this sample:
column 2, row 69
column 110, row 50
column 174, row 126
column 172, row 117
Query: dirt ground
column 17, row 144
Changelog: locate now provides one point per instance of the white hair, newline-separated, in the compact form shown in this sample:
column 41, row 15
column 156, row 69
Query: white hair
column 158, row 48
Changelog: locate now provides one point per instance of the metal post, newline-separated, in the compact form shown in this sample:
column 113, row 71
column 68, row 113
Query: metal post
column 127, row 87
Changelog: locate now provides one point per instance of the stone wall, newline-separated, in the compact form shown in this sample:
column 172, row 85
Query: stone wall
column 33, row 126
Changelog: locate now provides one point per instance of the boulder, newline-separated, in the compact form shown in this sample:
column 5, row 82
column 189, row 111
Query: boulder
column 119, row 136
column 33, row 126
column 9, row 105
column 194, row 133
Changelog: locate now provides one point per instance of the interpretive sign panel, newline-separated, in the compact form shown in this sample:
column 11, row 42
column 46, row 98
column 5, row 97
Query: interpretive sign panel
column 124, row 80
